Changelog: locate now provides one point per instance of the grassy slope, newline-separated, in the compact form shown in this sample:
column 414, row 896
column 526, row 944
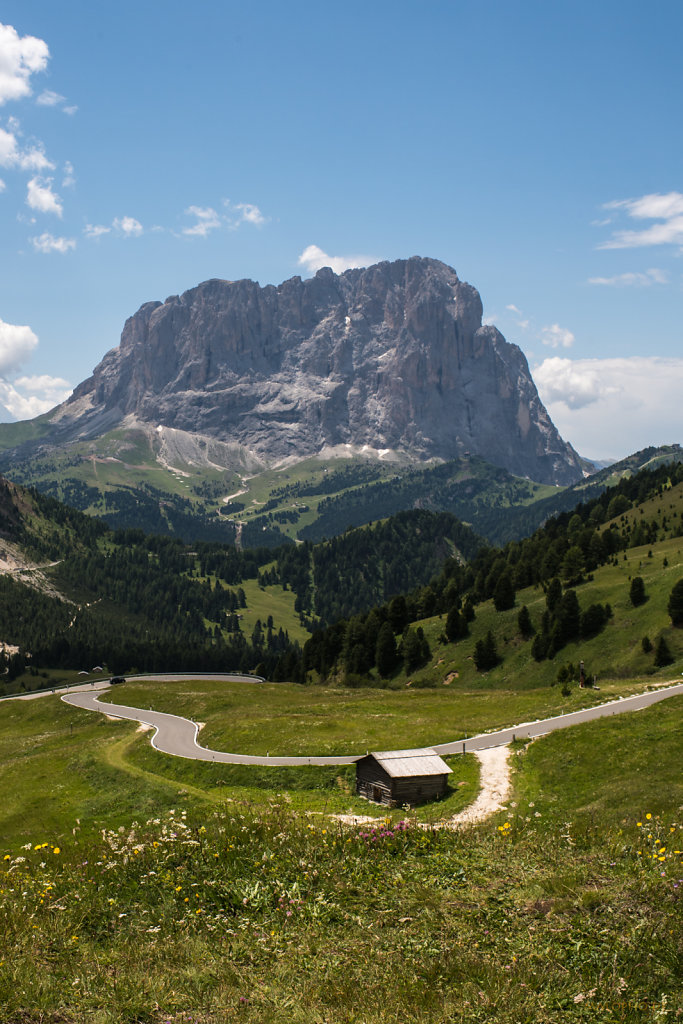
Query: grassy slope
column 61, row 766
column 547, row 914
column 614, row 653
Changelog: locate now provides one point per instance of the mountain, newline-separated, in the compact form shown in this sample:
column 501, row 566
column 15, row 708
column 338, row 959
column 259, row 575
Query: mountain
column 392, row 358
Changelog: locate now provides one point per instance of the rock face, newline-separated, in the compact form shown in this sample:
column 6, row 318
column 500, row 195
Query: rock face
column 393, row 357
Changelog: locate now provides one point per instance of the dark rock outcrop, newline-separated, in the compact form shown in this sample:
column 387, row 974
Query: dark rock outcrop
column 393, row 356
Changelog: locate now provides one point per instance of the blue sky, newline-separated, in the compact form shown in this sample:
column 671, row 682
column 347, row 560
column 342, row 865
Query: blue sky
column 535, row 147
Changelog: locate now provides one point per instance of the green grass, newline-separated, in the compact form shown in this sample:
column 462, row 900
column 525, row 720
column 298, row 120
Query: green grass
column 55, row 772
column 265, row 601
column 283, row 718
column 607, row 773
column 255, row 912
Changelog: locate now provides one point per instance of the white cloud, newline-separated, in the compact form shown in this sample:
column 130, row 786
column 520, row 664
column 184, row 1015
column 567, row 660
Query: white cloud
column 665, row 208
column 612, row 407
column 47, row 243
column 69, row 178
column 128, row 226
column 70, row 110
column 20, row 57
column 313, row 258
column 40, row 394
column 11, row 155
column 48, row 98
column 243, row 213
column 250, row 214
column 3, row 186
column 633, row 279
column 16, row 345
column 95, row 230
column 556, row 336
column 654, row 206
column 40, row 197
column 206, row 220
column 514, row 309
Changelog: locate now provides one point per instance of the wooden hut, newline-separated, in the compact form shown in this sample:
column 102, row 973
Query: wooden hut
column 402, row 776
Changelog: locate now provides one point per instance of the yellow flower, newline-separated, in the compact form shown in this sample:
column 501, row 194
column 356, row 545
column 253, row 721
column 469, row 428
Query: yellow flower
column 56, row 850
column 648, row 816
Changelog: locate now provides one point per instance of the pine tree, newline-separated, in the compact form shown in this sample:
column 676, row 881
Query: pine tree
column 504, row 592
column 456, row 625
column 524, row 623
column 663, row 655
column 637, row 591
column 485, row 653
column 675, row 606
column 385, row 653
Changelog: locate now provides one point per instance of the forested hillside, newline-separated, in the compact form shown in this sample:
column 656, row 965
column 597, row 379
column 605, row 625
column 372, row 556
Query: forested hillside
column 382, row 602
column 556, row 561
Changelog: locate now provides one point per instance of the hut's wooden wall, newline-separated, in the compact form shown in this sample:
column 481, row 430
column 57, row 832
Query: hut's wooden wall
column 375, row 784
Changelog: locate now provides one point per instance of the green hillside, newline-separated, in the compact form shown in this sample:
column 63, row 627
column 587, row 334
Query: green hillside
column 250, row 899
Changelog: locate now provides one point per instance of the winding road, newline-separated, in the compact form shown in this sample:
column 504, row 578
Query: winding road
column 178, row 736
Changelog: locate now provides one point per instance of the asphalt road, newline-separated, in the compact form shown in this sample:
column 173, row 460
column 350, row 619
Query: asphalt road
column 178, row 736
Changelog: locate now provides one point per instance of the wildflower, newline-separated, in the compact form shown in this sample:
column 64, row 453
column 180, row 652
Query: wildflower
column 55, row 849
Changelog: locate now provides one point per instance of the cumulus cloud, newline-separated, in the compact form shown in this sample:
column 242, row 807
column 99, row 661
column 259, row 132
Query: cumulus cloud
column 27, row 397
column 313, row 258
column 556, row 336
column 47, row 243
column 40, row 197
column 666, row 209
column 17, row 342
column 128, row 226
column 577, row 383
column 206, row 220
column 20, row 58
column 608, row 408
column 13, row 156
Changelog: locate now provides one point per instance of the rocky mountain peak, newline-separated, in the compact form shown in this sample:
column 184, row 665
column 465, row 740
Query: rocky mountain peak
column 392, row 356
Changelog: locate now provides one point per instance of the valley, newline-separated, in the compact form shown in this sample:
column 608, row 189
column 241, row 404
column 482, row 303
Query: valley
column 386, row 594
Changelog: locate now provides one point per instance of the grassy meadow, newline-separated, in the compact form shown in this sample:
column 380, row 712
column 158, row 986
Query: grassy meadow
column 284, row 718
column 139, row 888
column 131, row 894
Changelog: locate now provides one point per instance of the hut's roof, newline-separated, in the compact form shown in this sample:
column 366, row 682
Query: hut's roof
column 404, row 763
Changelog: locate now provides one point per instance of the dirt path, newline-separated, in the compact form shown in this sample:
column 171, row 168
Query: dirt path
column 495, row 788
